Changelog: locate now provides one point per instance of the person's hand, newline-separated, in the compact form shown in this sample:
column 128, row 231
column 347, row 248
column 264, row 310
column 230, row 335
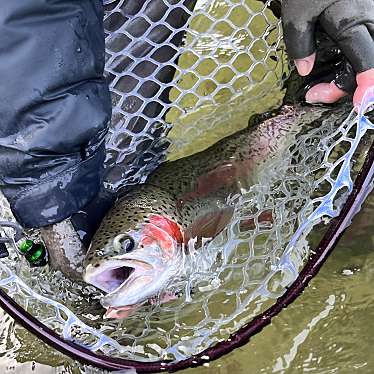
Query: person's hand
column 350, row 24
column 88, row 219
column 67, row 241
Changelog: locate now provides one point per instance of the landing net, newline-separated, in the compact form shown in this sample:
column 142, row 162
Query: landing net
column 234, row 285
column 241, row 272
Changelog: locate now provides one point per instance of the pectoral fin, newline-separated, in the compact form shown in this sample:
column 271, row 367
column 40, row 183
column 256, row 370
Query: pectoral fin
column 210, row 224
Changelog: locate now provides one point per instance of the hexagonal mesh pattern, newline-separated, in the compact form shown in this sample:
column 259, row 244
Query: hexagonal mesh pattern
column 185, row 65
column 232, row 278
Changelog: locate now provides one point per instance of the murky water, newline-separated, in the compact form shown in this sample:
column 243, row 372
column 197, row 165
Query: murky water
column 229, row 73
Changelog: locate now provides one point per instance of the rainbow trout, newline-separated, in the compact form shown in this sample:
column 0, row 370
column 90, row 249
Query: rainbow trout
column 140, row 243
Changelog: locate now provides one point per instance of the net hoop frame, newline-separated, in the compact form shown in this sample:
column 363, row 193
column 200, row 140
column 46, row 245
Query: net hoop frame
column 361, row 188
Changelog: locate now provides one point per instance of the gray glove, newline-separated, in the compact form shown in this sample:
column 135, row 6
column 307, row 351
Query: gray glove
column 349, row 23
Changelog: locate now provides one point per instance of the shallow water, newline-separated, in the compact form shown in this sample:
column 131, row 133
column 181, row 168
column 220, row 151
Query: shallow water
column 328, row 329
column 239, row 72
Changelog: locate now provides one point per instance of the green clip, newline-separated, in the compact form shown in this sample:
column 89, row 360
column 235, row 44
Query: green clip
column 35, row 253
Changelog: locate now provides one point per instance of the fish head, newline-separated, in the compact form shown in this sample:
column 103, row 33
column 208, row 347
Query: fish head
column 135, row 252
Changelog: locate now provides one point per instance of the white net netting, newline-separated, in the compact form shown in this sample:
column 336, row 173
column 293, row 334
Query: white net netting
column 198, row 67
column 231, row 62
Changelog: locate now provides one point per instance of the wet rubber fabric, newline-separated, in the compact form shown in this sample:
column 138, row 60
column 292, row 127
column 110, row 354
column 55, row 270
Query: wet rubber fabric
column 54, row 105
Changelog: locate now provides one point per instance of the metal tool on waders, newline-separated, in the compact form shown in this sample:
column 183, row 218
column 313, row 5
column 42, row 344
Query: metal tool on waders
column 34, row 252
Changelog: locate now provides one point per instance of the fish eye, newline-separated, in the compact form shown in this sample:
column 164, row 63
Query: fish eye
column 124, row 243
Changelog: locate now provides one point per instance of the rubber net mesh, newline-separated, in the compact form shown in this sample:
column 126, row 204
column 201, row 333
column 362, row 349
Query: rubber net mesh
column 195, row 67
column 234, row 277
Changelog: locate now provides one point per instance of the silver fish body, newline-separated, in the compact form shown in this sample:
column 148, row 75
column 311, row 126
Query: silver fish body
column 140, row 244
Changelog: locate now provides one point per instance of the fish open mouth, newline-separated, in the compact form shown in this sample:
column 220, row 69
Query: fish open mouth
column 109, row 279
column 114, row 278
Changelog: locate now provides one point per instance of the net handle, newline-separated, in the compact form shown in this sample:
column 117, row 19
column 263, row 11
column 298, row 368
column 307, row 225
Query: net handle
column 362, row 187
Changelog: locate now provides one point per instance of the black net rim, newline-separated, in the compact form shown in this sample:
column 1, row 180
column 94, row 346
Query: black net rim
column 361, row 189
